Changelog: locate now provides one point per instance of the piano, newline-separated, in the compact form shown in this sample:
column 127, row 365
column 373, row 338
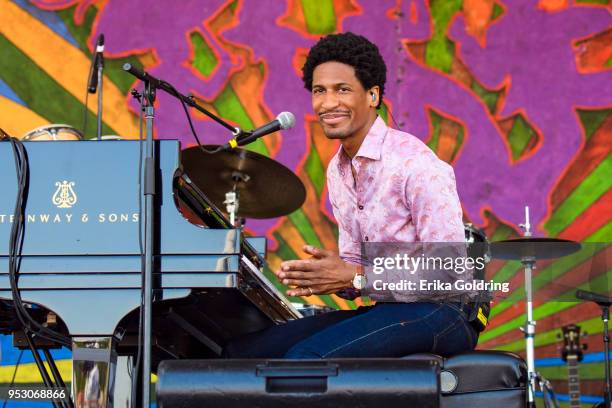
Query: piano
column 81, row 259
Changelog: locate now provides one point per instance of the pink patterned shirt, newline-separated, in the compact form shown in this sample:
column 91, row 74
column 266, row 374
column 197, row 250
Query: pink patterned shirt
column 402, row 193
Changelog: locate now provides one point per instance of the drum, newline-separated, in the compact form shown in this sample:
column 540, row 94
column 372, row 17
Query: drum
column 477, row 246
column 53, row 132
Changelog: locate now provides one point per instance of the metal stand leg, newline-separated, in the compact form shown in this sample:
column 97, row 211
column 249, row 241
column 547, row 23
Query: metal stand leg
column 530, row 334
column 100, row 87
column 529, row 329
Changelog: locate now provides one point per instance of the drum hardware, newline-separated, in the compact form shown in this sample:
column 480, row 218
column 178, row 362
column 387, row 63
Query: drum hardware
column 231, row 205
column 246, row 183
column 53, row 132
column 527, row 250
column 232, row 198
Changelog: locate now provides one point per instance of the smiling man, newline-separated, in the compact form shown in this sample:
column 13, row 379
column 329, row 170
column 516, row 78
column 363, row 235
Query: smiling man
column 384, row 186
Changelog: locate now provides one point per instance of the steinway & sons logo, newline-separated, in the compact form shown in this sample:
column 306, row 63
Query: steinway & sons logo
column 64, row 196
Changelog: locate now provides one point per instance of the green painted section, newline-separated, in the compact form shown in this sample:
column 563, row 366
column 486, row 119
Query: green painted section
column 593, row 1
column 497, row 11
column 592, row 120
column 501, row 232
column 112, row 66
column 488, row 97
column 458, row 143
column 506, row 272
column 548, row 308
column 284, row 251
column 79, row 32
column 592, row 187
column 519, row 137
column 204, row 59
column 435, row 133
column 41, row 93
column 591, row 326
column 543, row 278
column 229, row 107
column 383, row 112
column 303, row 225
column 320, row 16
column 609, row 62
column 591, row 371
column 604, row 234
column 315, row 170
column 440, row 51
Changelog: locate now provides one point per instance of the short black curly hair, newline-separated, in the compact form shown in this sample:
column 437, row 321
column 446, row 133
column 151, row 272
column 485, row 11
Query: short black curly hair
column 351, row 49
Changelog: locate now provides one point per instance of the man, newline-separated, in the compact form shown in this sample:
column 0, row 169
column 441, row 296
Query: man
column 384, row 186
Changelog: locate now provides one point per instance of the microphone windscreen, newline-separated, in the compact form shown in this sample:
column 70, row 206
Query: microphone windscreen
column 286, row 120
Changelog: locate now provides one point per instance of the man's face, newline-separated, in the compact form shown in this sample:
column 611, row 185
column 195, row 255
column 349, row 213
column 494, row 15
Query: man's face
column 342, row 105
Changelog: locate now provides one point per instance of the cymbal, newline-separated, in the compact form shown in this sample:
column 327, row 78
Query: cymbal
column 538, row 248
column 266, row 188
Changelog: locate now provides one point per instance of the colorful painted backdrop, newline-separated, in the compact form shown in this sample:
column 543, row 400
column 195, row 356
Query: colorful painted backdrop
column 515, row 94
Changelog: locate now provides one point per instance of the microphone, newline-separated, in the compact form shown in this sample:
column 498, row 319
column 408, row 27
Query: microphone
column 284, row 120
column 594, row 297
column 92, row 84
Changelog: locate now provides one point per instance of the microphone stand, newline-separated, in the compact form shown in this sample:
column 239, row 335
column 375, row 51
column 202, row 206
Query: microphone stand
column 150, row 171
column 100, row 69
column 188, row 100
column 605, row 317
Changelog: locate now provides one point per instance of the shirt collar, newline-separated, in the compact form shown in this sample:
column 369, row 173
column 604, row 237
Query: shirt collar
column 371, row 146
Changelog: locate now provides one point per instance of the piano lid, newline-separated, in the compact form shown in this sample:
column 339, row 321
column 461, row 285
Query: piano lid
column 84, row 200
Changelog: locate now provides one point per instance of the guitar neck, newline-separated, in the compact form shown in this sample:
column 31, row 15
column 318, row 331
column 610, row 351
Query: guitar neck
column 573, row 380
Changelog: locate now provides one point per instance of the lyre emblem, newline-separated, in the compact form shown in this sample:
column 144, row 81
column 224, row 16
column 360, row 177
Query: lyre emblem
column 64, row 196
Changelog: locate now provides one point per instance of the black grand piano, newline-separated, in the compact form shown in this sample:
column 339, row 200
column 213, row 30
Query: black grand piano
column 81, row 260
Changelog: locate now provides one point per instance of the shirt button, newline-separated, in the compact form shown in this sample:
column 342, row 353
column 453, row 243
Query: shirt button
column 366, row 238
column 361, row 207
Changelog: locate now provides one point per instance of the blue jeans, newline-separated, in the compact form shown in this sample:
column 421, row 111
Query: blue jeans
column 383, row 330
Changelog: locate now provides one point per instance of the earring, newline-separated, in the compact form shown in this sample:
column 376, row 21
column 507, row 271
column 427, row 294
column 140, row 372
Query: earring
column 373, row 97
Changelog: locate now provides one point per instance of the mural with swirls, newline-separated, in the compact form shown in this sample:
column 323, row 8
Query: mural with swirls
column 515, row 94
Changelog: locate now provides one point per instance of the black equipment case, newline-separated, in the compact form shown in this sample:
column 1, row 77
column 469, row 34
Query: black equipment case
column 356, row 383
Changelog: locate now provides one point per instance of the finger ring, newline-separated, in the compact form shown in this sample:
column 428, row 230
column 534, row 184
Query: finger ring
column 310, row 290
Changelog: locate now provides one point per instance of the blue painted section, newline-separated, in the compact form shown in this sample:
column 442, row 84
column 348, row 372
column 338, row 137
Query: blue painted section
column 10, row 354
column 50, row 19
column 585, row 399
column 557, row 361
column 7, row 92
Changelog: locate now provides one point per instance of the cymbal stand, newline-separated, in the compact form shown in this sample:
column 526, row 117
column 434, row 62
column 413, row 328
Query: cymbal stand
column 232, row 198
column 232, row 201
column 528, row 262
